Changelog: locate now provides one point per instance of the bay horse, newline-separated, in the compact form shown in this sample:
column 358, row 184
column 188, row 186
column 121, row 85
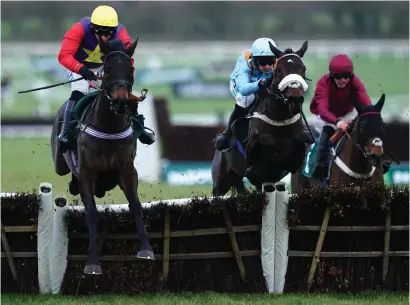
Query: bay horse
column 356, row 158
column 105, row 148
column 270, row 142
column 358, row 154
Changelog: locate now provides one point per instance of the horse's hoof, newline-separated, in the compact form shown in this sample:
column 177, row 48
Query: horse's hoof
column 146, row 254
column 92, row 269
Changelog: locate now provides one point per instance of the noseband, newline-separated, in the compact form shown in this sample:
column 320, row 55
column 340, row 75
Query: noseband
column 277, row 90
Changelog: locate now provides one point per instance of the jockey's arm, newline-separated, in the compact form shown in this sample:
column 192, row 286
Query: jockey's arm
column 362, row 95
column 125, row 38
column 321, row 94
column 243, row 84
column 71, row 42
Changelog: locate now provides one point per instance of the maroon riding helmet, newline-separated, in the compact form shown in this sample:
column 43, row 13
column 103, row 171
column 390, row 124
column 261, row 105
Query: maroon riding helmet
column 341, row 66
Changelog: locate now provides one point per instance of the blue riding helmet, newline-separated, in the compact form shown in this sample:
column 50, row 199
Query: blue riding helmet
column 261, row 47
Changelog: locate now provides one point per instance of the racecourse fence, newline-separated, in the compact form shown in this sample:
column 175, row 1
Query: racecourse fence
column 270, row 242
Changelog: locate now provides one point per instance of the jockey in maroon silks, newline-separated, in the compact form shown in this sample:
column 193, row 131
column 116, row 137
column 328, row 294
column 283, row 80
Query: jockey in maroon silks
column 80, row 54
column 333, row 103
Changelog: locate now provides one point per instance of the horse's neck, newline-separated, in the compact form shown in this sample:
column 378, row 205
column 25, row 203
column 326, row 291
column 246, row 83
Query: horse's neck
column 273, row 108
column 104, row 119
column 353, row 157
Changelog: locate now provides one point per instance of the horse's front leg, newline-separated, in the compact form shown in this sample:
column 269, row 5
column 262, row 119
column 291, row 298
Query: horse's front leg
column 129, row 185
column 87, row 178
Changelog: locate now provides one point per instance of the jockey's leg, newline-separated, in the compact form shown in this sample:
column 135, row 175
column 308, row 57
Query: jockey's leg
column 78, row 90
column 240, row 111
column 63, row 137
column 222, row 140
column 323, row 148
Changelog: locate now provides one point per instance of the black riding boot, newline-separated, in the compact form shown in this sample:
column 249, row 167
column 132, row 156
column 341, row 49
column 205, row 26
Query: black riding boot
column 147, row 138
column 323, row 151
column 63, row 137
column 222, row 140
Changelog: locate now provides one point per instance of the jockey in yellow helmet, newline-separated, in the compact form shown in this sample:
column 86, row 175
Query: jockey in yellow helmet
column 80, row 54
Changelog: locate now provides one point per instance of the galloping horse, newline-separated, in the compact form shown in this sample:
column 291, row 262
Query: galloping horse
column 357, row 155
column 106, row 147
column 270, row 142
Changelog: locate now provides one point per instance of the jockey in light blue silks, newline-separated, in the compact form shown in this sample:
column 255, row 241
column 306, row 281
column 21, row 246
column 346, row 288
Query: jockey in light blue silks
column 252, row 70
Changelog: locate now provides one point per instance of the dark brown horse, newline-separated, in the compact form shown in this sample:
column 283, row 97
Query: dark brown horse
column 359, row 154
column 105, row 148
column 356, row 158
column 270, row 142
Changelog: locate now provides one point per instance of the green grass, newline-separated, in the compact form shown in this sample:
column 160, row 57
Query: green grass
column 213, row 298
column 27, row 162
column 386, row 74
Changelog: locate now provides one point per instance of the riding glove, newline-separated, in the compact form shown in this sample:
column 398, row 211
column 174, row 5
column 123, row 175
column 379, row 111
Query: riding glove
column 262, row 83
column 263, row 87
column 87, row 74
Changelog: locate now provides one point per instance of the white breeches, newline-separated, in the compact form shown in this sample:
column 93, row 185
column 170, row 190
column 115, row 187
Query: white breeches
column 319, row 123
column 85, row 86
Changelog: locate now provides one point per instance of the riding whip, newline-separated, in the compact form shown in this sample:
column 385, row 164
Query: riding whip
column 51, row 86
column 307, row 125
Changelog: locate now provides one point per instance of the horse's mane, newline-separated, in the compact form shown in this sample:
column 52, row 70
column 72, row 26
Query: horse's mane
column 289, row 51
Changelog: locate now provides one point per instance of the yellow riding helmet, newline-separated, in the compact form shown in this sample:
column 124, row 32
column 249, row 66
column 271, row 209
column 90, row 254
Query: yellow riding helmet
column 104, row 16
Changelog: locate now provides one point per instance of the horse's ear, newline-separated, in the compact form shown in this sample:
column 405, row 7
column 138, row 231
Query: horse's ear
column 131, row 49
column 303, row 49
column 103, row 46
column 379, row 105
column 275, row 50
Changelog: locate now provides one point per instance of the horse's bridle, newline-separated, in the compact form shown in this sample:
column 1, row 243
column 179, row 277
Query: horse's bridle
column 362, row 148
column 276, row 92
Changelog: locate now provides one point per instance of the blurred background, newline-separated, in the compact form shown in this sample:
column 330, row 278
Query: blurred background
column 185, row 55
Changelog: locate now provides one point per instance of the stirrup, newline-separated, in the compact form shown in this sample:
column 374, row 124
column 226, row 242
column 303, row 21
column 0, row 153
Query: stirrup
column 62, row 138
